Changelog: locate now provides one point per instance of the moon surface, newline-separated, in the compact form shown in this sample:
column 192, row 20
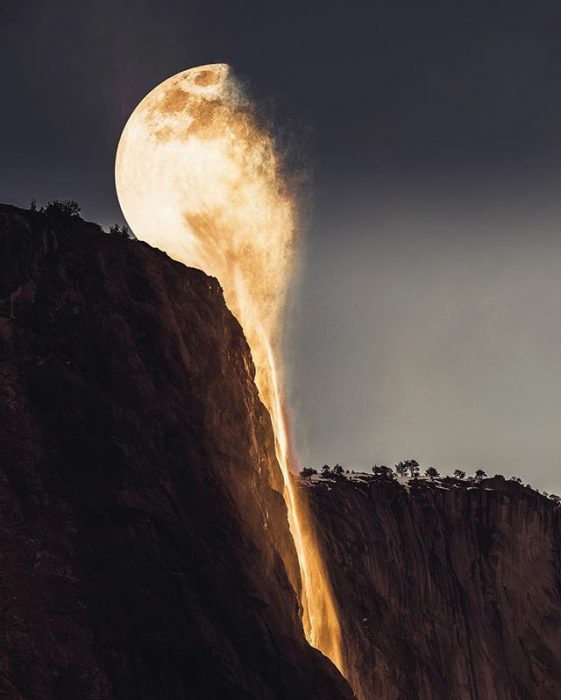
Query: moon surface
column 199, row 178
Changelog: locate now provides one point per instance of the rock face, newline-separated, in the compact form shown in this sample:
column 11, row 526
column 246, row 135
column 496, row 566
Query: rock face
column 142, row 531
column 447, row 589
column 144, row 543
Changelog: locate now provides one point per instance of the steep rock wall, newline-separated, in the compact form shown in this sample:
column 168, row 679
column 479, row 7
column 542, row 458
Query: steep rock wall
column 142, row 531
column 447, row 589
column 144, row 546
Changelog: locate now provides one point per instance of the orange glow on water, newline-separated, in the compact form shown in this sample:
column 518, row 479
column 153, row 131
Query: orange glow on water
column 320, row 619
column 198, row 177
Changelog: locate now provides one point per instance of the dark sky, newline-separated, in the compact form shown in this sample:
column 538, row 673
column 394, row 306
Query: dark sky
column 427, row 321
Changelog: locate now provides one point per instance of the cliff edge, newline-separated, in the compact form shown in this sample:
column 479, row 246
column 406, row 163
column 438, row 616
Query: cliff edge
column 447, row 588
column 142, row 531
column 144, row 542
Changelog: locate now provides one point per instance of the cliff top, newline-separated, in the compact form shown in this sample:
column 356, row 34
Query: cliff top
column 421, row 484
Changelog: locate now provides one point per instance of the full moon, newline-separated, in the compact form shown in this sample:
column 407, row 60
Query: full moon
column 198, row 177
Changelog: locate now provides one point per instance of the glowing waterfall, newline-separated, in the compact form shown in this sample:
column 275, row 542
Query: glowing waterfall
column 199, row 177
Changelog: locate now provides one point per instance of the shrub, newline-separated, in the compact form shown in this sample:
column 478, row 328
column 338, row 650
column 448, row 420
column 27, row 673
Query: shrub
column 61, row 209
column 121, row 231
column 382, row 472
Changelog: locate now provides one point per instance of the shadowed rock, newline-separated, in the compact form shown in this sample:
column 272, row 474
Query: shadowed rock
column 142, row 530
column 144, row 544
column 451, row 589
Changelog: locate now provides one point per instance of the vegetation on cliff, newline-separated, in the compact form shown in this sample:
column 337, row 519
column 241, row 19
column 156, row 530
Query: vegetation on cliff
column 408, row 472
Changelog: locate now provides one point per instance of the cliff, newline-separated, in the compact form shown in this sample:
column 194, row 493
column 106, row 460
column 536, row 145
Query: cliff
column 447, row 589
column 144, row 543
column 142, row 531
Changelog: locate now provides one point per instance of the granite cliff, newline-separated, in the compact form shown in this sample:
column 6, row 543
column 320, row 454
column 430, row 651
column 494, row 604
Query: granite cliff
column 143, row 537
column 144, row 543
column 447, row 588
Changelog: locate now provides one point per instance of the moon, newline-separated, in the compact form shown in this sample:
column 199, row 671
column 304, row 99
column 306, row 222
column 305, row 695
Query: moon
column 199, row 177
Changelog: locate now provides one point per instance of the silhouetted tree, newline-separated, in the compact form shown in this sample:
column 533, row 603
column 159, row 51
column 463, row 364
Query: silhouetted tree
column 432, row 472
column 516, row 478
column 326, row 470
column 308, row 472
column 61, row 209
column 409, row 465
column 459, row 473
column 338, row 470
column 121, row 231
column 413, row 467
column 382, row 472
column 480, row 474
column 33, row 205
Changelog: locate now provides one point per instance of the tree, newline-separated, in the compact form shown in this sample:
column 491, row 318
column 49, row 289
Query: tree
column 307, row 472
column 480, row 474
column 401, row 468
column 382, row 472
column 459, row 473
column 516, row 478
column 33, row 205
column 413, row 467
column 338, row 470
column 61, row 209
column 432, row 472
column 326, row 470
column 121, row 231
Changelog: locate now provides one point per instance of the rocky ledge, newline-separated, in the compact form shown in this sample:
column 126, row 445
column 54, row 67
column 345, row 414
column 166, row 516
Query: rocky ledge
column 447, row 588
